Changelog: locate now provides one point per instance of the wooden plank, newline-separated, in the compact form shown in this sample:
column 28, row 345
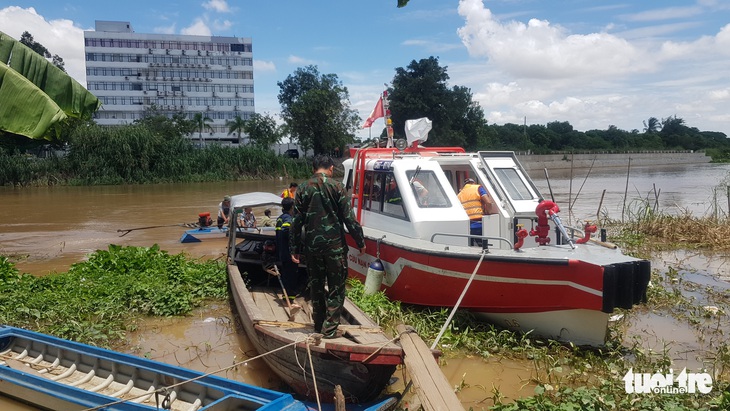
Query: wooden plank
column 429, row 383
column 365, row 335
column 357, row 314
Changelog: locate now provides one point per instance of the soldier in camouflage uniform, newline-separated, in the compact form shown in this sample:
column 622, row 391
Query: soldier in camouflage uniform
column 322, row 207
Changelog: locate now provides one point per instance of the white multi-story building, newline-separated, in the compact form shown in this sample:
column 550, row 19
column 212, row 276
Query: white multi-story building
column 132, row 72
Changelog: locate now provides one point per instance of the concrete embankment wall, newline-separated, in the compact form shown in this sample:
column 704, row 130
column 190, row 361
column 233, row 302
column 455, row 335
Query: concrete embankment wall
column 533, row 162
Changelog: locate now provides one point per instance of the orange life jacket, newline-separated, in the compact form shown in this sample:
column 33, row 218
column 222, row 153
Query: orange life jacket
column 472, row 201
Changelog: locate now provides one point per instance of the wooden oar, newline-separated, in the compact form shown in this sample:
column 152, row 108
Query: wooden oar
column 129, row 230
column 293, row 308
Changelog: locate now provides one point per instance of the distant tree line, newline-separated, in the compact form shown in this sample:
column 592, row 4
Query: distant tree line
column 317, row 114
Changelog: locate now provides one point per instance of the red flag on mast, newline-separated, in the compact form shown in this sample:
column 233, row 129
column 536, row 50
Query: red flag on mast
column 377, row 113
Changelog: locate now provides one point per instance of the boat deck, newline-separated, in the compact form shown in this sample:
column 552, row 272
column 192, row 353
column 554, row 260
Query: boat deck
column 358, row 328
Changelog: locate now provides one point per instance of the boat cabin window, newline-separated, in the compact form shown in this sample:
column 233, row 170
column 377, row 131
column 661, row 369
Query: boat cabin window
column 372, row 193
column 513, row 184
column 427, row 189
column 381, row 194
column 393, row 203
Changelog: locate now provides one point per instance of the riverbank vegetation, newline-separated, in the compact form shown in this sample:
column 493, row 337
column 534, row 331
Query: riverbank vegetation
column 139, row 154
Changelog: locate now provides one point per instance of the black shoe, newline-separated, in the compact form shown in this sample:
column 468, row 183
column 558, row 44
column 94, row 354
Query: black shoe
column 336, row 334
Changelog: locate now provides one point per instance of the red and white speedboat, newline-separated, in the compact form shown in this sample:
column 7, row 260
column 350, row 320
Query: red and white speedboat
column 527, row 275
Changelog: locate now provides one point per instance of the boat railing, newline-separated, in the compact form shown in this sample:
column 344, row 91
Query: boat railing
column 485, row 239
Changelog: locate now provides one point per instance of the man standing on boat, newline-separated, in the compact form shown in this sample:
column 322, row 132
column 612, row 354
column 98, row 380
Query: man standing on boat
column 476, row 202
column 322, row 209
column 224, row 208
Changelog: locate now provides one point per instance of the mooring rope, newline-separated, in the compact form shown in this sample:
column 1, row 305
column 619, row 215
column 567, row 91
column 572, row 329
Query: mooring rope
column 314, row 378
column 458, row 302
column 164, row 389
column 394, row 339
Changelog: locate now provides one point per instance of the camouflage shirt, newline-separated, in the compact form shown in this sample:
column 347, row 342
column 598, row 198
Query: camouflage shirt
column 322, row 208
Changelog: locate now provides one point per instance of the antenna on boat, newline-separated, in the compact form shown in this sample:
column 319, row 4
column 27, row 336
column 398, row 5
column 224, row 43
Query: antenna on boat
column 388, row 120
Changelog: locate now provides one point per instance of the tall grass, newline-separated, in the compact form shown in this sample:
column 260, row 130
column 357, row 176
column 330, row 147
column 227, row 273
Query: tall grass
column 136, row 154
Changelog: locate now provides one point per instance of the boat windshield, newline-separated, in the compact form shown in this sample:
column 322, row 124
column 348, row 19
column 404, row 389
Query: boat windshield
column 427, row 189
column 513, row 184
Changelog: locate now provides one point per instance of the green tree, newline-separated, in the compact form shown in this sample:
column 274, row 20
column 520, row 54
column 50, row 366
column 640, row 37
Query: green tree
column 262, row 130
column 201, row 123
column 176, row 126
column 421, row 90
column 27, row 39
column 236, row 126
column 652, row 125
column 316, row 109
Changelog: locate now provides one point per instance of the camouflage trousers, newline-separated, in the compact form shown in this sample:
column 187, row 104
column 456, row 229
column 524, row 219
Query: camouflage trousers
column 329, row 269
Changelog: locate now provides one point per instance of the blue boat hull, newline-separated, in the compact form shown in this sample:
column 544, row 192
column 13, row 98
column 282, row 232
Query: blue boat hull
column 197, row 235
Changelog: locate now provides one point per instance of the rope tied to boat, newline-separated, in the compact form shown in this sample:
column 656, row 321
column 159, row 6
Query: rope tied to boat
column 458, row 302
column 166, row 402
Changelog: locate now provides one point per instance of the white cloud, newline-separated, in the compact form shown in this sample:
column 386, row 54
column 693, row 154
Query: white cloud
column 667, row 13
column 542, row 71
column 222, row 25
column 60, row 37
column 300, row 60
column 220, row 6
column 264, row 66
column 198, row 28
column 539, row 49
column 165, row 29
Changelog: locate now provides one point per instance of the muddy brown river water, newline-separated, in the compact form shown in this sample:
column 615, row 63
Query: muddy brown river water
column 46, row 229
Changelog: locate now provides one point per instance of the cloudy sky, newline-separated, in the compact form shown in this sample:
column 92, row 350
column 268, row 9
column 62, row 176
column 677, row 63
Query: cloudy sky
column 592, row 63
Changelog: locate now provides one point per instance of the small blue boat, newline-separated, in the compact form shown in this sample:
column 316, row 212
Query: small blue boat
column 197, row 235
column 62, row 375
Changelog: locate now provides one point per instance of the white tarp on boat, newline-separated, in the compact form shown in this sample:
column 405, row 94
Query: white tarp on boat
column 417, row 130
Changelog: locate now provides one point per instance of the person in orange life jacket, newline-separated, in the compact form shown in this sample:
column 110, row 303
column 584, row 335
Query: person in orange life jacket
column 290, row 192
column 476, row 202
column 224, row 207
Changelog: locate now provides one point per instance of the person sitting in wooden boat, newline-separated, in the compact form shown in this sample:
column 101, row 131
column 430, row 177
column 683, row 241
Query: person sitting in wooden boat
column 476, row 202
column 224, row 207
column 248, row 220
column 267, row 221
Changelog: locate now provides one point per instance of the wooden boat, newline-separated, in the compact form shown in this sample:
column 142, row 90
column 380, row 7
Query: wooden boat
column 362, row 361
column 61, row 375
column 528, row 275
column 58, row 374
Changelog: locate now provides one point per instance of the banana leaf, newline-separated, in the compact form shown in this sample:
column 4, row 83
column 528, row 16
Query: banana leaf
column 24, row 108
column 70, row 96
